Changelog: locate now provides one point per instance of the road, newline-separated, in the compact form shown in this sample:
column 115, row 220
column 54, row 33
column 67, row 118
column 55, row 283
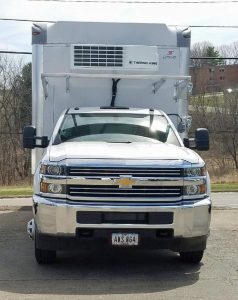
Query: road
column 121, row 274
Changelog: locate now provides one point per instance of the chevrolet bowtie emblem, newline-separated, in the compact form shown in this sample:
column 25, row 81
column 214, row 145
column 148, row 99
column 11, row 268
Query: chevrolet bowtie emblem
column 125, row 182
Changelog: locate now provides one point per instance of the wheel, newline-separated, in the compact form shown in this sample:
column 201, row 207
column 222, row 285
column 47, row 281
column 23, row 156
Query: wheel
column 192, row 257
column 44, row 257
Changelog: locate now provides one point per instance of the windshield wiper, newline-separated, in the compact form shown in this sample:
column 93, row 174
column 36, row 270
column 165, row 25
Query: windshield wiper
column 127, row 142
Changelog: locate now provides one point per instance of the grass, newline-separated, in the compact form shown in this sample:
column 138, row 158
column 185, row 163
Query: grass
column 225, row 187
column 26, row 191
column 15, row 191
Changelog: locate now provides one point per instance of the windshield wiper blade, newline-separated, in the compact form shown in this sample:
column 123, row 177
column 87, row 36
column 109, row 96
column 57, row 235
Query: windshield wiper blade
column 127, row 142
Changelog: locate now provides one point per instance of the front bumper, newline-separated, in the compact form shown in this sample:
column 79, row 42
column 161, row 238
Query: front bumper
column 56, row 220
column 149, row 239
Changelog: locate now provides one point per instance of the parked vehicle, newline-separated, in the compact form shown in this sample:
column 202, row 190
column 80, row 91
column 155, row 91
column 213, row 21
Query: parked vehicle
column 111, row 155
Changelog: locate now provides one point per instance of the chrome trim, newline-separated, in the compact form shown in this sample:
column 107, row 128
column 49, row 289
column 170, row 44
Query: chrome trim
column 133, row 163
column 121, row 208
column 123, row 192
column 194, row 180
column 54, row 180
column 125, row 199
column 123, row 226
column 124, row 171
column 163, row 181
column 138, row 181
column 59, row 217
column 52, row 195
column 64, row 198
column 193, row 197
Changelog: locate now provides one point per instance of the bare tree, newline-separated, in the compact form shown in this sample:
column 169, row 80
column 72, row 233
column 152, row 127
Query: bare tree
column 14, row 160
column 200, row 50
column 226, row 123
column 229, row 51
column 220, row 116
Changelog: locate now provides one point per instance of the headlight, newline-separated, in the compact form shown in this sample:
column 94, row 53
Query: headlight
column 194, row 172
column 52, row 188
column 191, row 190
column 55, row 188
column 52, row 169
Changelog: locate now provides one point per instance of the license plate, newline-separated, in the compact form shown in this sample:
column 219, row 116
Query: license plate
column 125, row 239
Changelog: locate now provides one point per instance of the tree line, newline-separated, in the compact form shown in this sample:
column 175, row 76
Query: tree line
column 15, row 113
column 207, row 49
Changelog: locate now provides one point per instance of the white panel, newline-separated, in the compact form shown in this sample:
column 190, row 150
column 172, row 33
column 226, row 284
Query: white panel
column 108, row 57
column 111, row 33
column 93, row 92
column 141, row 57
column 58, row 59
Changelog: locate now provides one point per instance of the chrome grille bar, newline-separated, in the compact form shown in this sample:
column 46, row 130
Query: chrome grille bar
column 115, row 191
column 117, row 172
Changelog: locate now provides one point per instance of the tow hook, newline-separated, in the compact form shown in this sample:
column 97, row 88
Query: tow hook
column 31, row 229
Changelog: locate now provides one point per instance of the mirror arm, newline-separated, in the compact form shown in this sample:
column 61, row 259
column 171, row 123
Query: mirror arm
column 190, row 143
column 44, row 140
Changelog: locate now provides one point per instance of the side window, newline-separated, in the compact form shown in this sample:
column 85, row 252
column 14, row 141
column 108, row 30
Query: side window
column 172, row 139
column 68, row 123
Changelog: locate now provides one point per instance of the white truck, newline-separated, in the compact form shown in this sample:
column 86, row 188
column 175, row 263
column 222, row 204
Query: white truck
column 110, row 107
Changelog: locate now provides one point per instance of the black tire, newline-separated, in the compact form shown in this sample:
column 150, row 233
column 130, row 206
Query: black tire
column 192, row 257
column 44, row 257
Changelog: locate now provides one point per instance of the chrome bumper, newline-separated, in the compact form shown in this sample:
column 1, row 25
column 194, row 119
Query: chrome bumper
column 57, row 217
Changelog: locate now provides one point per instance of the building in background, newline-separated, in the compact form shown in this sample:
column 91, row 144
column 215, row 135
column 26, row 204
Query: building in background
column 214, row 78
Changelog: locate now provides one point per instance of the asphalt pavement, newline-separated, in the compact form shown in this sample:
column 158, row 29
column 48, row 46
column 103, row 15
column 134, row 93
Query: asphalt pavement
column 115, row 274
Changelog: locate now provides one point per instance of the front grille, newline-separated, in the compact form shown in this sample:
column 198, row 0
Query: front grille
column 141, row 172
column 98, row 56
column 114, row 191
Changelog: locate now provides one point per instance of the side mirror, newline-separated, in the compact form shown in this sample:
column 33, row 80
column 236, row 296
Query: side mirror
column 30, row 138
column 44, row 141
column 202, row 139
column 200, row 142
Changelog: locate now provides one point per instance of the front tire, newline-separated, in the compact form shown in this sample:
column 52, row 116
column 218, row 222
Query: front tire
column 192, row 257
column 44, row 256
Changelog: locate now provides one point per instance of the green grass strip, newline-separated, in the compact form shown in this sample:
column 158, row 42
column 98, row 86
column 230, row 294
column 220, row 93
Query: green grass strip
column 225, row 187
column 15, row 191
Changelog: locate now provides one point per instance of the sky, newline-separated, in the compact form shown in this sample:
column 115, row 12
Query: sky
column 16, row 36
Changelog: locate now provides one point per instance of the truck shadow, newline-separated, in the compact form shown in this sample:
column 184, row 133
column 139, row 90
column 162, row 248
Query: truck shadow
column 105, row 272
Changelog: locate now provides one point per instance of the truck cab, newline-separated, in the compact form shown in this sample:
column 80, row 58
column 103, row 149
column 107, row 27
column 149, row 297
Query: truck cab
column 111, row 174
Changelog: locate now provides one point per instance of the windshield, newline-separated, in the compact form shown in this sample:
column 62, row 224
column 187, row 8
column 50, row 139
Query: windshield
column 115, row 128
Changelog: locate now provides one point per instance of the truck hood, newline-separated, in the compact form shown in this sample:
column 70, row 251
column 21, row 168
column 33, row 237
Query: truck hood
column 139, row 151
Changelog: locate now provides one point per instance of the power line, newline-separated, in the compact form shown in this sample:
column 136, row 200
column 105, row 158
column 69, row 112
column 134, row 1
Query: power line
column 26, row 20
column 210, row 26
column 15, row 52
column 215, row 58
column 142, row 2
column 175, row 25
column 196, row 58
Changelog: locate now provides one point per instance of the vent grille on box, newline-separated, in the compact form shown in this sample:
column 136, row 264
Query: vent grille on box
column 98, row 56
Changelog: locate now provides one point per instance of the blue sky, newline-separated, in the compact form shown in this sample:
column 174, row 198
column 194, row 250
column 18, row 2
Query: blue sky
column 17, row 35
